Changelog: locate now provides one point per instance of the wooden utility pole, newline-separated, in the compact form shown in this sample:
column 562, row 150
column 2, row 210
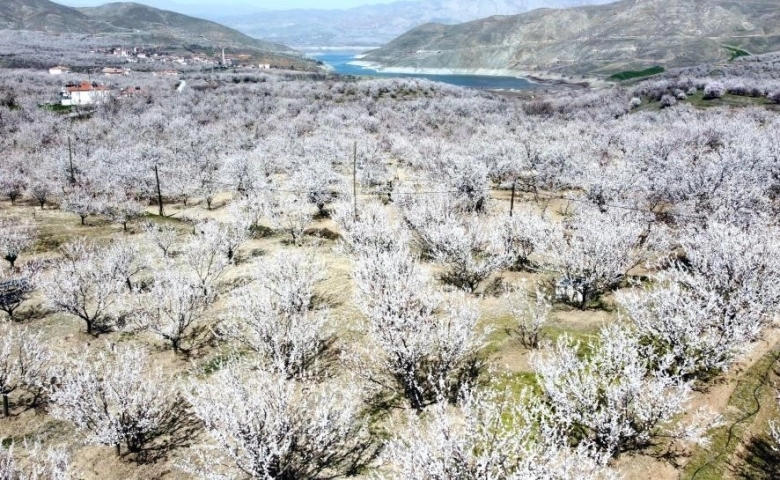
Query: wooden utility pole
column 159, row 191
column 70, row 164
column 354, row 180
column 512, row 201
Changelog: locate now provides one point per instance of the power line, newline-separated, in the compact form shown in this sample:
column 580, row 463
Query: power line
column 233, row 186
column 620, row 207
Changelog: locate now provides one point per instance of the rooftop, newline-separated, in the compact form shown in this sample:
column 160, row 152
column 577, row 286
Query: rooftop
column 86, row 87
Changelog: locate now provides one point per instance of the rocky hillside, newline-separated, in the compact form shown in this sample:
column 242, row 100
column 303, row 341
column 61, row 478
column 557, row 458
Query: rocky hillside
column 600, row 40
column 375, row 25
column 140, row 24
column 134, row 16
column 44, row 16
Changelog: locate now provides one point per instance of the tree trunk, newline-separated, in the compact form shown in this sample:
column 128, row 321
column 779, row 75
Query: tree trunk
column 585, row 295
column 118, row 450
column 6, row 413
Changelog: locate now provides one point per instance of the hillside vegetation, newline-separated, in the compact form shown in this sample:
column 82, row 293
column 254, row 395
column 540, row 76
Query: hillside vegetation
column 134, row 24
column 592, row 40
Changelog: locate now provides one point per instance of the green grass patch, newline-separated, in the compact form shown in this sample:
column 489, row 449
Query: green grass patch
column 516, row 383
column 48, row 243
column 215, row 363
column 554, row 332
column 169, row 219
column 56, row 107
column 698, row 101
column 753, row 392
column 736, row 52
column 727, row 100
column 586, row 340
column 633, row 74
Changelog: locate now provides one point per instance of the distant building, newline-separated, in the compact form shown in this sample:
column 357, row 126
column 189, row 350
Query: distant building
column 84, row 93
column 58, row 70
column 133, row 91
column 115, row 72
column 264, row 66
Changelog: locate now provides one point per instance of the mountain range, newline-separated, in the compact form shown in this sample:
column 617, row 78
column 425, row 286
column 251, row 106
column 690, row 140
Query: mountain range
column 374, row 25
column 140, row 24
column 590, row 40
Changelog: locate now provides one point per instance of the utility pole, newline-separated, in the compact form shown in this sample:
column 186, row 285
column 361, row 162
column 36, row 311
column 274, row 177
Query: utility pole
column 354, row 179
column 512, row 201
column 159, row 191
column 71, row 173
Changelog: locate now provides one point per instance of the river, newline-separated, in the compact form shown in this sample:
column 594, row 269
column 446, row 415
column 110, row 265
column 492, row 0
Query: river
column 339, row 62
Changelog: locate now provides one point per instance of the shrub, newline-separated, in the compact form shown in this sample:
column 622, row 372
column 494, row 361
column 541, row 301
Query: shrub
column 714, row 90
column 668, row 101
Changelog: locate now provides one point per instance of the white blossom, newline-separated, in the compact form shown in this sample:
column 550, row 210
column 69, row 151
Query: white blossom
column 416, row 338
column 88, row 282
column 162, row 235
column 265, row 426
column 172, row 306
column 24, row 362
column 490, row 436
column 277, row 315
column 611, row 398
column 15, row 238
column 117, row 398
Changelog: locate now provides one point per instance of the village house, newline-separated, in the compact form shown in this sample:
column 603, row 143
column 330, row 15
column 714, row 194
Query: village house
column 115, row 72
column 84, row 93
column 133, row 91
column 58, row 70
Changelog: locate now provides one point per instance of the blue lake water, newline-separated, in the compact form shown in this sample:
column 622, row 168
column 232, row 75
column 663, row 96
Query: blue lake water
column 339, row 61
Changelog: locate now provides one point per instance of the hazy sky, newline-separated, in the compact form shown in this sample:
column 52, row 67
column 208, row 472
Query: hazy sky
column 243, row 5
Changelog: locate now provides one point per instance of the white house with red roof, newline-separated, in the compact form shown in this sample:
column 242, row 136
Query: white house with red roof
column 84, row 93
